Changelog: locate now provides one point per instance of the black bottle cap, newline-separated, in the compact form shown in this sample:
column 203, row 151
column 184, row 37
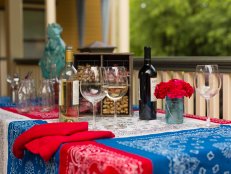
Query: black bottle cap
column 147, row 52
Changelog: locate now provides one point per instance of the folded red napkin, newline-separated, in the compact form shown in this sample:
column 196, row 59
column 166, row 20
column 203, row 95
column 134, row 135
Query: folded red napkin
column 47, row 146
column 44, row 130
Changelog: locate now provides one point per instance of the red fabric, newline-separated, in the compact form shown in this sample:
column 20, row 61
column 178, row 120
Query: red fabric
column 36, row 114
column 95, row 158
column 203, row 118
column 46, row 115
column 214, row 120
column 50, row 129
column 47, row 146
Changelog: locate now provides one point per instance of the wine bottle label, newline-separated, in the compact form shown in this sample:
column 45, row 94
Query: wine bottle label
column 68, row 92
column 62, row 89
column 75, row 92
column 153, row 82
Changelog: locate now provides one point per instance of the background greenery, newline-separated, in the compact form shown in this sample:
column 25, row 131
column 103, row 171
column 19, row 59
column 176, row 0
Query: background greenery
column 181, row 27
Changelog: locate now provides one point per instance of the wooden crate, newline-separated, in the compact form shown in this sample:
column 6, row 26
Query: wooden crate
column 107, row 59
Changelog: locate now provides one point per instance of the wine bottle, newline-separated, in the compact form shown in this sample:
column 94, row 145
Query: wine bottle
column 68, row 90
column 147, row 84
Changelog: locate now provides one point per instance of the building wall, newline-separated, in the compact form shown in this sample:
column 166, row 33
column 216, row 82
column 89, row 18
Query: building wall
column 2, row 34
column 67, row 18
column 3, row 62
column 93, row 21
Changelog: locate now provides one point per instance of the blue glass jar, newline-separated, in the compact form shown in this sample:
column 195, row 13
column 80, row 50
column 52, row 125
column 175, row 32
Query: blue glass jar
column 174, row 109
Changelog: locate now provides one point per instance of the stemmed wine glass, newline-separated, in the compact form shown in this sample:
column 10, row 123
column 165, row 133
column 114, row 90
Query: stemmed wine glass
column 116, row 86
column 14, row 83
column 91, row 88
column 207, row 82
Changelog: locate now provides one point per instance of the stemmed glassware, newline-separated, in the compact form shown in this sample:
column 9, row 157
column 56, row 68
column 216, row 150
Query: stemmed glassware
column 207, row 82
column 115, row 86
column 14, row 83
column 91, row 88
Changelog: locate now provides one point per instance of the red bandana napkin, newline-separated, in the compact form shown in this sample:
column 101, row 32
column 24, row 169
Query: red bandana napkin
column 45, row 139
column 47, row 146
column 50, row 129
column 96, row 158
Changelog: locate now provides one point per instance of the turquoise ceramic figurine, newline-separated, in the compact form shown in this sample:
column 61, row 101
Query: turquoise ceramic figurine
column 54, row 51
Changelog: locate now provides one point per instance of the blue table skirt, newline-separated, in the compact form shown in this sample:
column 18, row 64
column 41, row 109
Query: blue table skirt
column 31, row 164
column 204, row 150
column 5, row 101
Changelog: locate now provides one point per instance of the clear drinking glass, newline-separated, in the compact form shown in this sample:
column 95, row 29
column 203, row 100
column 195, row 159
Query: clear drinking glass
column 91, row 88
column 14, row 82
column 46, row 96
column 115, row 86
column 23, row 102
column 32, row 94
column 55, row 82
column 207, row 82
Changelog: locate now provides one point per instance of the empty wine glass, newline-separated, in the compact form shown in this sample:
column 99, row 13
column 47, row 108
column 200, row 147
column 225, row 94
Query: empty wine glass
column 91, row 88
column 207, row 82
column 14, row 82
column 116, row 86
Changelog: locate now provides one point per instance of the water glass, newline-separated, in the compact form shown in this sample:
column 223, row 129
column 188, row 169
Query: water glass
column 46, row 96
column 23, row 102
column 55, row 82
column 32, row 95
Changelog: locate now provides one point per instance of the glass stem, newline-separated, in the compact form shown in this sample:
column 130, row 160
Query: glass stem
column 115, row 113
column 208, row 113
column 94, row 114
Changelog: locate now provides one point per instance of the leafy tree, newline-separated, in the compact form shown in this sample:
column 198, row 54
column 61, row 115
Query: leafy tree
column 181, row 27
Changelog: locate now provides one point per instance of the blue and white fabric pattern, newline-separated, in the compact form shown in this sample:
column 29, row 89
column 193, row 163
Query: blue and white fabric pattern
column 30, row 164
column 6, row 102
column 202, row 151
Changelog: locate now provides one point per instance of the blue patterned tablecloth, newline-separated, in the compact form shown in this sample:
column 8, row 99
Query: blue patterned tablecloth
column 31, row 164
column 203, row 151
column 6, row 102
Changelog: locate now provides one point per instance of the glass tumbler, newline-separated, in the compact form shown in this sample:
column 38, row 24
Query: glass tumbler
column 23, row 102
column 174, row 110
column 32, row 93
column 45, row 96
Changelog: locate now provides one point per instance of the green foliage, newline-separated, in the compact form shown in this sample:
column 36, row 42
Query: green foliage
column 181, row 27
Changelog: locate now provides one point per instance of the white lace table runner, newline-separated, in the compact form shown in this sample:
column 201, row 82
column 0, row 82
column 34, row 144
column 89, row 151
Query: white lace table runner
column 135, row 127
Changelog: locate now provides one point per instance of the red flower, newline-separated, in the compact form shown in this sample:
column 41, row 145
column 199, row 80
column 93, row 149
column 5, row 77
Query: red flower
column 174, row 88
column 161, row 90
